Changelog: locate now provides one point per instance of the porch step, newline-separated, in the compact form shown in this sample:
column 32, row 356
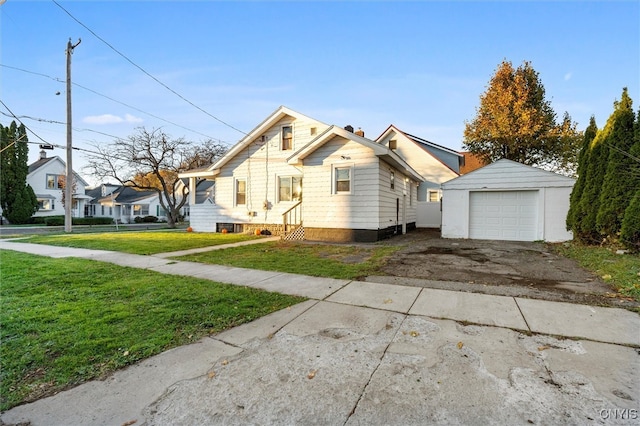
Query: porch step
column 296, row 235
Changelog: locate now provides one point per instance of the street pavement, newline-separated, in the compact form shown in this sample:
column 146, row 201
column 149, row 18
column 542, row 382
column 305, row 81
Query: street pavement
column 365, row 353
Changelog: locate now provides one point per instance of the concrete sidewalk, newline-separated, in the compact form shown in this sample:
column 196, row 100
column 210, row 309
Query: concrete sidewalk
column 368, row 353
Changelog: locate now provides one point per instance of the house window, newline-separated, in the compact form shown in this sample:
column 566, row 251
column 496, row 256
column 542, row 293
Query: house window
column 241, row 192
column 101, row 210
column 141, row 209
column 434, row 196
column 392, row 179
column 287, row 138
column 342, row 180
column 55, row 181
column 289, row 188
column 46, row 204
column 110, row 211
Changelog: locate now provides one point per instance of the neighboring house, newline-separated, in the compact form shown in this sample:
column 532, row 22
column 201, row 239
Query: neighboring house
column 436, row 163
column 123, row 203
column 471, row 163
column 296, row 175
column 46, row 177
column 507, row 200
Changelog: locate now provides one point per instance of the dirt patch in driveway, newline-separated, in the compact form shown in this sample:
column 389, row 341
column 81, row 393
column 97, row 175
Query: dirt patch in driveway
column 508, row 268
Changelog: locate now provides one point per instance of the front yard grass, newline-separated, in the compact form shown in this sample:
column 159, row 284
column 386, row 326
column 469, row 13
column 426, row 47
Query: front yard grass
column 620, row 270
column 140, row 242
column 66, row 321
column 320, row 260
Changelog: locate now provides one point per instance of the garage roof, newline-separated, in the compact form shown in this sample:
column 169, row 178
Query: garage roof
column 508, row 174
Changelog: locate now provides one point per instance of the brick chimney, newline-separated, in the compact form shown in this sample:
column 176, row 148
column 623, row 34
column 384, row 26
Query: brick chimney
column 359, row 132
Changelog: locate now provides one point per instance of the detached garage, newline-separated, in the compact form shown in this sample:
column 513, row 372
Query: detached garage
column 507, row 200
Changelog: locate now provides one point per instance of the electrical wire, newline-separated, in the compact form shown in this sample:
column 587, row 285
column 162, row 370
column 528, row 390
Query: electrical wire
column 147, row 73
column 56, row 79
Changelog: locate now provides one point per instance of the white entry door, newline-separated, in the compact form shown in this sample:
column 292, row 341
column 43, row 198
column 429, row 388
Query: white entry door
column 503, row 215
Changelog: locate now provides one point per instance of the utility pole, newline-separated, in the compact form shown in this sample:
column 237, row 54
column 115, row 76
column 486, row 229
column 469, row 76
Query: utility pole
column 68, row 185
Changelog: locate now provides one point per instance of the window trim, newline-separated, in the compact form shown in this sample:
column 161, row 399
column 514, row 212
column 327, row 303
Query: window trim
column 57, row 183
column 334, row 178
column 433, row 191
column 236, row 180
column 290, row 177
column 392, row 180
column 282, row 138
column 46, row 201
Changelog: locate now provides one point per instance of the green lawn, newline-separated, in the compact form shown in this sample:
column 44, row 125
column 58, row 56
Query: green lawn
column 140, row 242
column 620, row 270
column 333, row 261
column 66, row 321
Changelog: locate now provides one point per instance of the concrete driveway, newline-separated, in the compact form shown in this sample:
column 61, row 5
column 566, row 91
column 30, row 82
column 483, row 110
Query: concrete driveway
column 508, row 268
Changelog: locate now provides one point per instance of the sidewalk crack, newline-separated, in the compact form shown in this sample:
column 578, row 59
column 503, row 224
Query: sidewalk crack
column 384, row 353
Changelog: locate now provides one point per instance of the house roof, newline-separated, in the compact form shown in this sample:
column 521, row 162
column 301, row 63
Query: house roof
column 43, row 161
column 267, row 123
column 431, row 148
column 380, row 150
column 39, row 163
column 127, row 195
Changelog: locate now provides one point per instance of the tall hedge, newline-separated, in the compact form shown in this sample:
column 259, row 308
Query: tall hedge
column 576, row 215
column 618, row 187
column 17, row 199
column 585, row 229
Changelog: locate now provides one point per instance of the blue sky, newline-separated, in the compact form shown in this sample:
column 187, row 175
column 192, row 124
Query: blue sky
column 421, row 65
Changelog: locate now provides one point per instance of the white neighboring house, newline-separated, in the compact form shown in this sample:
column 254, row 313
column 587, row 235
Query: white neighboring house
column 46, row 177
column 296, row 175
column 123, row 203
column 436, row 163
column 507, row 200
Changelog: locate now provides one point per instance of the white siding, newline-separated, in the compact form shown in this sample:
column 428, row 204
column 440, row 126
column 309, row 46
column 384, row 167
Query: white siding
column 260, row 163
column 356, row 210
column 203, row 218
column 38, row 181
column 432, row 169
column 502, row 176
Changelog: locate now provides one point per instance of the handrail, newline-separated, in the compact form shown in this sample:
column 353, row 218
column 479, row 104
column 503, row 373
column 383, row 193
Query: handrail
column 296, row 212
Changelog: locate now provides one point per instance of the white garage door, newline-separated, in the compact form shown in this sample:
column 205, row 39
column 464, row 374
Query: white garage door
column 503, row 215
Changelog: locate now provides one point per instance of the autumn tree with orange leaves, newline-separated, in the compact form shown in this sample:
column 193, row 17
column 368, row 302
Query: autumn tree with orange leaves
column 515, row 121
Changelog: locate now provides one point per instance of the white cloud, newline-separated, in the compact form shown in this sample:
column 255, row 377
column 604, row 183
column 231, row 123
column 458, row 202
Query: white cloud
column 111, row 119
column 132, row 119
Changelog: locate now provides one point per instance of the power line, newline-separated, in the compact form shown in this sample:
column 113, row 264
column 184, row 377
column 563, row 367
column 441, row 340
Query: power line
column 25, row 126
column 114, row 100
column 147, row 73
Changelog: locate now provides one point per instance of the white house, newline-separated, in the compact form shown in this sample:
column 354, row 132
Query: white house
column 46, row 177
column 507, row 200
column 295, row 173
column 123, row 203
column 436, row 163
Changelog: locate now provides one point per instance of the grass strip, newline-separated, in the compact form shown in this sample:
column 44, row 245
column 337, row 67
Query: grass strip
column 140, row 242
column 320, row 260
column 66, row 321
column 620, row 270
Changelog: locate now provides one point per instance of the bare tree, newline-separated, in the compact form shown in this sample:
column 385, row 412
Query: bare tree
column 150, row 160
